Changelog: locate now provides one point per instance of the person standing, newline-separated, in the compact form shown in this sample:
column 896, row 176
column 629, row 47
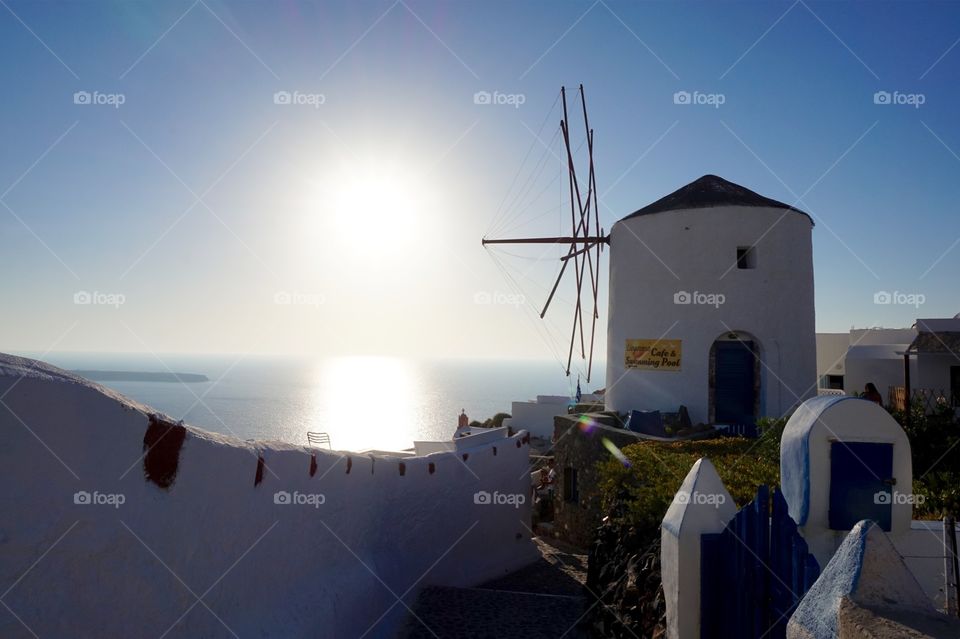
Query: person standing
column 871, row 393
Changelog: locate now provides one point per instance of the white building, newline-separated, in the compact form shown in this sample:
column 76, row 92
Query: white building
column 711, row 305
column 936, row 351
column 831, row 357
column 536, row 416
column 848, row 361
column 876, row 355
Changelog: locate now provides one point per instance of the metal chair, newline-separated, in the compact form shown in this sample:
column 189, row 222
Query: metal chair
column 319, row 439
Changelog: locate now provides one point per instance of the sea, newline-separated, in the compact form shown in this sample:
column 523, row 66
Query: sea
column 363, row 403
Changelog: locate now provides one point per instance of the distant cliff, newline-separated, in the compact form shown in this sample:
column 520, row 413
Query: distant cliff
column 140, row 376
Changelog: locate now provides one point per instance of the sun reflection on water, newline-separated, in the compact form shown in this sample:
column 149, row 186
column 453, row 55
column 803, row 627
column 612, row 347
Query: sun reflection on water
column 367, row 402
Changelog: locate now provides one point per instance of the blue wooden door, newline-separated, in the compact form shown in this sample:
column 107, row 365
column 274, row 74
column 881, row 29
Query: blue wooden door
column 861, row 483
column 733, row 381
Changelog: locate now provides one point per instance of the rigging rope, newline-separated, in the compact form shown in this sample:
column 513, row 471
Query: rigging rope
column 553, row 209
column 559, row 296
column 547, row 330
column 537, row 325
column 509, row 213
column 523, row 275
column 562, row 205
column 536, row 172
column 520, row 168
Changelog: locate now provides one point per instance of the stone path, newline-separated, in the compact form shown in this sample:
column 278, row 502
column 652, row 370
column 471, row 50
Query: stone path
column 542, row 601
column 558, row 572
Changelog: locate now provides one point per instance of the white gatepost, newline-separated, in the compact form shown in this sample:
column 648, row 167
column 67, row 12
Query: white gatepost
column 701, row 506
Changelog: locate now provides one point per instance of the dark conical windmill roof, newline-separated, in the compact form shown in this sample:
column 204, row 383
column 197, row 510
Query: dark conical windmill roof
column 710, row 191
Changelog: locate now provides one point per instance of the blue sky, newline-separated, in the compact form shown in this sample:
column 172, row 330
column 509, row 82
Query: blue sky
column 199, row 200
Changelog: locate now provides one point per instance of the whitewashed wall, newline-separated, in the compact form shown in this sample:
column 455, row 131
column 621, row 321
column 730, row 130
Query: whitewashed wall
column 879, row 336
column 933, row 370
column 536, row 416
column 805, row 464
column 831, row 353
column 866, row 355
column 881, row 364
column 652, row 257
column 823, row 420
column 287, row 570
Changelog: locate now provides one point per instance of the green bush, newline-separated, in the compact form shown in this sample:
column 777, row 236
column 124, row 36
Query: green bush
column 496, row 421
column 491, row 422
column 640, row 494
column 935, row 446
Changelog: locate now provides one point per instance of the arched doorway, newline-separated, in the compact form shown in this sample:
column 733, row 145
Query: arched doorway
column 735, row 379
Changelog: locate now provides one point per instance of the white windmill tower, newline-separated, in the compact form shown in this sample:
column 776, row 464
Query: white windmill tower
column 711, row 305
column 711, row 301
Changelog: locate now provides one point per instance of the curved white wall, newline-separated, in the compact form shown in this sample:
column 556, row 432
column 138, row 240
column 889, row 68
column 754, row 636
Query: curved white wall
column 265, row 569
column 805, row 471
column 652, row 257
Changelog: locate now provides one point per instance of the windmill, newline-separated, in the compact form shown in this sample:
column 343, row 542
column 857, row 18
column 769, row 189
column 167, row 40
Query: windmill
column 585, row 242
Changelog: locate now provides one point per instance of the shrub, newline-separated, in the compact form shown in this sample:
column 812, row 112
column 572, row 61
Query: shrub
column 640, row 494
column 491, row 422
column 496, row 421
column 935, row 447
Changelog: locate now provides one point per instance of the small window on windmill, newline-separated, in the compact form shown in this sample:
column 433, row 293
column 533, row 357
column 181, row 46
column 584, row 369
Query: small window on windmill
column 571, row 492
column 746, row 257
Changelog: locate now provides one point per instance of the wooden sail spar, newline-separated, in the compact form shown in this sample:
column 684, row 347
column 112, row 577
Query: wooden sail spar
column 584, row 249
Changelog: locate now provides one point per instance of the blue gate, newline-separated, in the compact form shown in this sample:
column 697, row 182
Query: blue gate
column 754, row 573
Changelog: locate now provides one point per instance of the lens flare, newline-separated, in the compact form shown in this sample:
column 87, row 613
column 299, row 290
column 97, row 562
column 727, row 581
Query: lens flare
column 586, row 425
column 616, row 452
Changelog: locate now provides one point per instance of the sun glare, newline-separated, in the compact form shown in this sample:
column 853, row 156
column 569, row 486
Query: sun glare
column 372, row 209
column 368, row 402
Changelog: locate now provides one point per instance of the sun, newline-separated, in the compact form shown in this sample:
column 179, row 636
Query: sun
column 373, row 209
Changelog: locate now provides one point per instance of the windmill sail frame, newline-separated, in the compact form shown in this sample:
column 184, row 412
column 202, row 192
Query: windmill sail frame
column 584, row 249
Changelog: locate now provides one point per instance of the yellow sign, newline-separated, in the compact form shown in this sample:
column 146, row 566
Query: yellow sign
column 653, row 354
